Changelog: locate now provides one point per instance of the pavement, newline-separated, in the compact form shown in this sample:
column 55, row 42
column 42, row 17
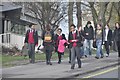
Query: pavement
column 57, row 71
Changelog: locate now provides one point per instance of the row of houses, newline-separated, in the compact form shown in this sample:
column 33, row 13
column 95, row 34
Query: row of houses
column 13, row 25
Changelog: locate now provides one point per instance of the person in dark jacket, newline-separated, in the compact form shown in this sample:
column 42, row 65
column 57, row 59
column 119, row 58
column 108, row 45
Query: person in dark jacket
column 107, row 39
column 32, row 39
column 114, row 38
column 48, row 43
column 59, row 36
column 75, row 43
column 89, row 35
column 117, row 36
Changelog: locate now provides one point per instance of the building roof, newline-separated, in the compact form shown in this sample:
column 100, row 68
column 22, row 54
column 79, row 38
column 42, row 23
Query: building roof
column 9, row 9
column 8, row 6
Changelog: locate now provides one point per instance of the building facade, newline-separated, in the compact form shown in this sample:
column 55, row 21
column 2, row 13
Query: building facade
column 13, row 25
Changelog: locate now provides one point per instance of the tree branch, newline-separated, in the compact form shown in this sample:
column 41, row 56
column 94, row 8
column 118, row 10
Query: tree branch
column 110, row 13
column 93, row 10
column 87, row 5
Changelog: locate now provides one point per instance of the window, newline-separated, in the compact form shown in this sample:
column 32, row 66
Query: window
column 17, row 28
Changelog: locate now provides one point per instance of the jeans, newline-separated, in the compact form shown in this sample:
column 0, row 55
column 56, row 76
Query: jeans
column 99, row 52
column 88, row 47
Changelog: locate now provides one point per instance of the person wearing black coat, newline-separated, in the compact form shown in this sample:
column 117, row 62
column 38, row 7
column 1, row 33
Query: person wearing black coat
column 75, row 42
column 48, row 43
column 116, row 36
column 89, row 36
column 59, row 36
column 107, row 39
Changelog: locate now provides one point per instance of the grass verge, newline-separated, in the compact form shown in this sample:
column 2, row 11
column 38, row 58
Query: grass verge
column 9, row 61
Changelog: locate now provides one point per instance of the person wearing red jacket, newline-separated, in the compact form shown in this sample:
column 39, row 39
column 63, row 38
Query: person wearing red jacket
column 75, row 39
column 32, row 39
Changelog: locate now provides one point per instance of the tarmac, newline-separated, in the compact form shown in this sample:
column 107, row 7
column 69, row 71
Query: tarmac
column 59, row 71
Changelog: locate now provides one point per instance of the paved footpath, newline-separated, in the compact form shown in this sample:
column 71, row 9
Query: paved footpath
column 41, row 70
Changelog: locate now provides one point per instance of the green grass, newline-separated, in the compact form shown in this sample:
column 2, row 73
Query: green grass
column 7, row 60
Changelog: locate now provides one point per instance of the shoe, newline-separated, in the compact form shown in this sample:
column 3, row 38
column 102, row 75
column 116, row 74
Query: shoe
column 50, row 63
column 107, row 55
column 101, row 56
column 96, row 57
column 69, row 61
column 79, row 66
column 59, row 62
column 72, row 67
column 86, row 56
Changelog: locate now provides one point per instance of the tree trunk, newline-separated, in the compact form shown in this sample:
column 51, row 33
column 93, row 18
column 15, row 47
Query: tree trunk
column 110, row 13
column 94, row 13
column 101, row 15
column 78, row 14
column 70, row 14
column 119, row 11
column 100, row 18
column 118, row 17
column 117, row 8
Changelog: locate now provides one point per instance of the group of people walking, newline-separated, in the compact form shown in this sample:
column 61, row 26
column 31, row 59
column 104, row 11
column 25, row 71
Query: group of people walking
column 79, row 43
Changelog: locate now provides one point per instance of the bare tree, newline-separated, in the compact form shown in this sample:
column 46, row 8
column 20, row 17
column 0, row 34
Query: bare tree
column 110, row 13
column 94, row 12
column 78, row 14
column 70, row 14
column 46, row 13
column 117, row 8
column 99, row 15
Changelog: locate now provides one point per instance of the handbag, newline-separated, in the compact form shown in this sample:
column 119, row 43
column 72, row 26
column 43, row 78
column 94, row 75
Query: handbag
column 94, row 44
column 40, row 47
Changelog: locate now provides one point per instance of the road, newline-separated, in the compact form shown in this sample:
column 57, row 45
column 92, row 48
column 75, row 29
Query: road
column 96, row 68
column 111, row 72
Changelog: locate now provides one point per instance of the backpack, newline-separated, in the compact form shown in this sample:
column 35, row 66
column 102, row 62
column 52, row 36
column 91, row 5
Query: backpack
column 48, row 36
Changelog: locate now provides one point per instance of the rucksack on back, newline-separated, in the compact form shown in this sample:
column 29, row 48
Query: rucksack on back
column 48, row 37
